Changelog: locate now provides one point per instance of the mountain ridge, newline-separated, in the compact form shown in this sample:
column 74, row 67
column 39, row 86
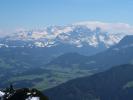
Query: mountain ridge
column 76, row 35
column 108, row 85
column 116, row 55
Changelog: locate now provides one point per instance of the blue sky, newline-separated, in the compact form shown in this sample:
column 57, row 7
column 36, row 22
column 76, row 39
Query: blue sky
column 38, row 13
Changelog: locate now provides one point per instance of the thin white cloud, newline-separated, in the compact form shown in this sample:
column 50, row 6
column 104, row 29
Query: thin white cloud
column 112, row 27
column 109, row 27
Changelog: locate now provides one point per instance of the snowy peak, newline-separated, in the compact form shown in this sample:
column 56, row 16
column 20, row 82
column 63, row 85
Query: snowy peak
column 82, row 34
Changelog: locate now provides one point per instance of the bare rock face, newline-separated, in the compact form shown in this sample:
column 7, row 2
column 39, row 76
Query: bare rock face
column 22, row 94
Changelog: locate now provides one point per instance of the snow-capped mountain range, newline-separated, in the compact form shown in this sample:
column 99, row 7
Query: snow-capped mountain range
column 78, row 35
